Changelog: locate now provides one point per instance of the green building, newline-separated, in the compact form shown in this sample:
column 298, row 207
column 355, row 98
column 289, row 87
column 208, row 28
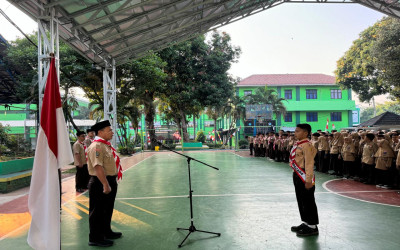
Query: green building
column 310, row 98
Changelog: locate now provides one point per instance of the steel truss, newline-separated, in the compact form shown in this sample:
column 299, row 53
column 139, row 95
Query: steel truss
column 112, row 32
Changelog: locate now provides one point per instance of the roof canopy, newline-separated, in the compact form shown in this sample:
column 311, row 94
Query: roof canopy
column 387, row 119
column 102, row 30
column 287, row 80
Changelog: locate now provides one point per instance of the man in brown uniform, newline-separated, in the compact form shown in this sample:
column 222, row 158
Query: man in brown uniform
column 323, row 151
column 89, row 138
column 368, row 160
column 383, row 161
column 102, row 186
column 302, row 162
column 81, row 176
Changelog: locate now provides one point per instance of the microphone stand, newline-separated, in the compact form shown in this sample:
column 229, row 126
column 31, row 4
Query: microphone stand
column 191, row 228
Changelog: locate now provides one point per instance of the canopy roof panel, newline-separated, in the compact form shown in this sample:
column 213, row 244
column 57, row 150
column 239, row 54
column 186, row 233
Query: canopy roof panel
column 102, row 30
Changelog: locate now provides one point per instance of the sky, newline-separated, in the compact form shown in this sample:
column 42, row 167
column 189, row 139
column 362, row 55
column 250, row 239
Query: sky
column 291, row 38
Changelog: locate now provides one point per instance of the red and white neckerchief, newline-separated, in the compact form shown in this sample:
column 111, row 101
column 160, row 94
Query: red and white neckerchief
column 84, row 148
column 293, row 164
column 116, row 157
column 91, row 140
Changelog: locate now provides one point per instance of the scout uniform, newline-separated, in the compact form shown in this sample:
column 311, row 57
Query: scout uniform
column 256, row 149
column 336, row 147
column 302, row 161
column 101, row 205
column 314, row 142
column 368, row 161
column 348, row 154
column 323, row 151
column 88, row 139
column 82, row 175
column 251, row 144
column 383, row 161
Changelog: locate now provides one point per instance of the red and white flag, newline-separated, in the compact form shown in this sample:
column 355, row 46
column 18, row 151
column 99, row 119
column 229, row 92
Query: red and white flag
column 53, row 150
column 333, row 126
column 327, row 124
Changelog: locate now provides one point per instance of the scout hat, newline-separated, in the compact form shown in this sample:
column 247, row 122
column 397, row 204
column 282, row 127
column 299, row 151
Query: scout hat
column 79, row 133
column 100, row 125
column 89, row 130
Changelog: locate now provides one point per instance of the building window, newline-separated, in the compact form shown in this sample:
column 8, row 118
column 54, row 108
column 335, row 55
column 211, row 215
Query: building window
column 288, row 94
column 209, row 124
column 312, row 116
column 336, row 116
column 288, row 117
column 311, row 94
column 247, row 92
column 336, row 94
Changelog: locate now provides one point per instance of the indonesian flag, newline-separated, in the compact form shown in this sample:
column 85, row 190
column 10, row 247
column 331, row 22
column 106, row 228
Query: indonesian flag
column 327, row 124
column 333, row 126
column 53, row 151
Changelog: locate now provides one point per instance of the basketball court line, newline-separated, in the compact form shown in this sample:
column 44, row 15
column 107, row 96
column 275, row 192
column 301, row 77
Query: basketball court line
column 256, row 194
column 324, row 185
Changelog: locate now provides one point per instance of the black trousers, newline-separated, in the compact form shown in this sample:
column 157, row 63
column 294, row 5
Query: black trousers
column 333, row 164
column 368, row 173
column 81, row 177
column 101, row 207
column 306, row 201
column 348, row 168
column 322, row 162
column 251, row 148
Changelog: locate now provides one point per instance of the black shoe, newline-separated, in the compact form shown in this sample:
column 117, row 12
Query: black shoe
column 80, row 190
column 101, row 243
column 113, row 235
column 307, row 231
column 298, row 228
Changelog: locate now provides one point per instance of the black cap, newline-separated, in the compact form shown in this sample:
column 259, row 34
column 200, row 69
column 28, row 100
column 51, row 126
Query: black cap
column 100, row 125
column 89, row 130
column 79, row 133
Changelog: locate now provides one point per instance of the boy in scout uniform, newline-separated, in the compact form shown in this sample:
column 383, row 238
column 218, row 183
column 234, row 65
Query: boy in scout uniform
column 82, row 175
column 348, row 154
column 102, row 186
column 302, row 162
column 323, row 151
column 383, row 157
column 367, row 159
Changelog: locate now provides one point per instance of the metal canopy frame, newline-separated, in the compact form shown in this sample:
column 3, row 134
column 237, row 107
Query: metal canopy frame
column 112, row 32
column 103, row 30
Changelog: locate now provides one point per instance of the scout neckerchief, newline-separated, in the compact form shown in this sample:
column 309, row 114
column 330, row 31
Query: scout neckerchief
column 293, row 164
column 116, row 157
column 84, row 148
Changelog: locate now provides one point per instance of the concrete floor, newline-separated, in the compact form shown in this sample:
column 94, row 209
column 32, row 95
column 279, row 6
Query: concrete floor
column 250, row 201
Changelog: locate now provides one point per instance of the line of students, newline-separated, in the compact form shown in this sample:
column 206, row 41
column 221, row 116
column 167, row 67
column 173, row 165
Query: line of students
column 367, row 156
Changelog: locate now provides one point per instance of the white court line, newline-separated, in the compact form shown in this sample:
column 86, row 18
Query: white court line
column 243, row 195
column 372, row 202
column 236, row 154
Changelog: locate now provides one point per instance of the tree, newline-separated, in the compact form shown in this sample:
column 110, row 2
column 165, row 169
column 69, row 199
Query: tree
column 386, row 50
column 371, row 66
column 368, row 113
column 357, row 68
column 235, row 110
column 266, row 96
column 143, row 82
column 197, row 76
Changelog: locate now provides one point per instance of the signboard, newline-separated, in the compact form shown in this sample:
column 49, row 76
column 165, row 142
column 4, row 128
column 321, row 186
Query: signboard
column 356, row 117
column 258, row 112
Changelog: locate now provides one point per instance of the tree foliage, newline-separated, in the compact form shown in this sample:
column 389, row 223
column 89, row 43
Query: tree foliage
column 371, row 66
column 197, row 76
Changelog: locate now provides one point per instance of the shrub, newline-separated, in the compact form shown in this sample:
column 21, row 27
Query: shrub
column 200, row 137
column 243, row 143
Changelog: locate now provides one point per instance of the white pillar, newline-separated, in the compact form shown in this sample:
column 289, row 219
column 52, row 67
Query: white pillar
column 46, row 45
column 110, row 97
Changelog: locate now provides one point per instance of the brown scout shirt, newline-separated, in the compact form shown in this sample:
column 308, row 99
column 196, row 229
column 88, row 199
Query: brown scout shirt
column 87, row 142
column 101, row 154
column 79, row 149
column 348, row 152
column 323, row 144
column 369, row 151
column 384, row 155
column 305, row 154
column 398, row 156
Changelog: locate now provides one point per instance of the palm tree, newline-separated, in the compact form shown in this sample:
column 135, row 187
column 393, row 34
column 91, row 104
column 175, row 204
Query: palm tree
column 235, row 110
column 266, row 96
